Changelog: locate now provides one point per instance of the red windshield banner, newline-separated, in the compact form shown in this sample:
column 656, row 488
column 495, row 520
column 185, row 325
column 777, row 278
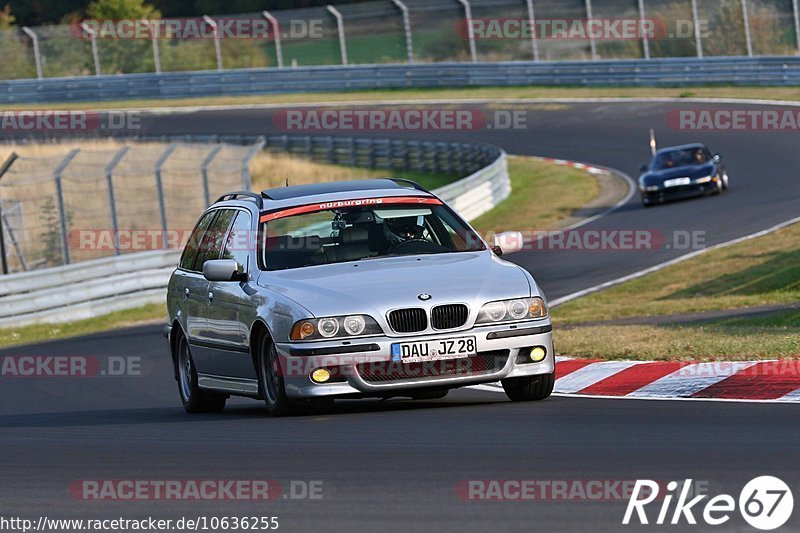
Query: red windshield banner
column 358, row 202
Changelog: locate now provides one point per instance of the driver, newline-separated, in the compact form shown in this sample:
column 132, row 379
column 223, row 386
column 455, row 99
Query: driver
column 699, row 156
column 399, row 230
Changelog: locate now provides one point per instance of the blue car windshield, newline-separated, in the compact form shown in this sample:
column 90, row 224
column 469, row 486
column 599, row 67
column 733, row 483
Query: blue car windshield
column 680, row 158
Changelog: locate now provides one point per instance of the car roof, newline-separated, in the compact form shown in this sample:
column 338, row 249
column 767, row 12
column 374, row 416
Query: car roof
column 333, row 187
column 296, row 195
column 681, row 147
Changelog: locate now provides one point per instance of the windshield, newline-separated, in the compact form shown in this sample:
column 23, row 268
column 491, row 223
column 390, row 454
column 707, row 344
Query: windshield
column 357, row 233
column 681, row 158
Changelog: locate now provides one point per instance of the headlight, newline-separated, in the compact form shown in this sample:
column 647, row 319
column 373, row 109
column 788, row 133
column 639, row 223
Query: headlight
column 651, row 188
column 334, row 327
column 705, row 179
column 509, row 310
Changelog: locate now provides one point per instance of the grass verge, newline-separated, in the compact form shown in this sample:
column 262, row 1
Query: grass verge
column 767, row 93
column 776, row 336
column 117, row 319
column 543, row 196
column 763, row 271
column 539, row 201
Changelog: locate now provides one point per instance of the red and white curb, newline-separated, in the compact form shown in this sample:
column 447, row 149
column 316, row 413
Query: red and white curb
column 573, row 164
column 773, row 381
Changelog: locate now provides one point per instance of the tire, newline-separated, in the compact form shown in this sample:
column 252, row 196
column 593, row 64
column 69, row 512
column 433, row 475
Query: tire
column 193, row 398
column 529, row 388
column 720, row 187
column 270, row 382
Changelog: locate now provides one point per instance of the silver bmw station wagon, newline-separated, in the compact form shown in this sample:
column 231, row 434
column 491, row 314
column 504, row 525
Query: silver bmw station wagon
column 372, row 288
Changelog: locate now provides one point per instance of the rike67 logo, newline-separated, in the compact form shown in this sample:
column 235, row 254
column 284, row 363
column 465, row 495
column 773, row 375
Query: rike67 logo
column 766, row 503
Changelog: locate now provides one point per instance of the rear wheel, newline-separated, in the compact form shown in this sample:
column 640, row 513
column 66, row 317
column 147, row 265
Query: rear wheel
column 529, row 388
column 270, row 380
column 194, row 399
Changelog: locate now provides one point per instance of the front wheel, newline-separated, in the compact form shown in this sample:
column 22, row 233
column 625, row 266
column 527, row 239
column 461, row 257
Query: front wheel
column 193, row 398
column 529, row 388
column 270, row 379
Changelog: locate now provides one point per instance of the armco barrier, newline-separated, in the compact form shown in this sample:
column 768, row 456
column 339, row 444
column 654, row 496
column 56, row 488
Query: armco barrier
column 92, row 288
column 661, row 72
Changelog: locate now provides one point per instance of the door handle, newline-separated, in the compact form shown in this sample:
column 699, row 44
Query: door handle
column 210, row 297
column 186, row 293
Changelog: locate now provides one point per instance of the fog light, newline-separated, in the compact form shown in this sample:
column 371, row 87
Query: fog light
column 538, row 354
column 320, row 375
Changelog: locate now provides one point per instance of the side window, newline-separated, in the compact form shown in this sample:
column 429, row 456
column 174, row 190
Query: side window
column 211, row 244
column 190, row 252
column 240, row 241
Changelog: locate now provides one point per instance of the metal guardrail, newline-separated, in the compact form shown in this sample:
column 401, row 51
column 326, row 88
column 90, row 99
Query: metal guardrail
column 99, row 286
column 661, row 72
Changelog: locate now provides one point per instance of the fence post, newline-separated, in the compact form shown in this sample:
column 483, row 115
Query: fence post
column 162, row 207
column 217, row 45
column 5, row 167
column 204, row 171
column 62, row 214
column 698, row 38
column 406, row 29
column 95, row 54
column 534, row 35
column 154, row 36
column 796, row 12
column 276, row 31
column 645, row 37
column 111, row 197
column 340, row 27
column 37, row 57
column 592, row 41
column 247, row 182
column 748, row 37
column 473, row 52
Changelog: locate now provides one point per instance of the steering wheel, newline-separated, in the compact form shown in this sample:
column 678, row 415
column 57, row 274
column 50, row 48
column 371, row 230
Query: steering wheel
column 418, row 246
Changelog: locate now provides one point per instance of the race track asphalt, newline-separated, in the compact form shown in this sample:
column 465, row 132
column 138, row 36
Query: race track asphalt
column 395, row 465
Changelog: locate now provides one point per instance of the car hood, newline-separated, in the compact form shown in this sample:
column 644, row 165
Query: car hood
column 378, row 285
column 657, row 177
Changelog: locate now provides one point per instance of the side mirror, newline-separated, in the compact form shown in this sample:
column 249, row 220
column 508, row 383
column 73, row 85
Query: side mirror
column 643, row 168
column 222, row 270
column 508, row 242
column 717, row 158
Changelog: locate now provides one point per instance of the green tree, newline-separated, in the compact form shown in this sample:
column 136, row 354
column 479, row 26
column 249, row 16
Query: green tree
column 17, row 59
column 7, row 20
column 117, row 54
column 121, row 9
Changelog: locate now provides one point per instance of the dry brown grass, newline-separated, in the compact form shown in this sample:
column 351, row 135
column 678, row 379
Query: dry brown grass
column 267, row 169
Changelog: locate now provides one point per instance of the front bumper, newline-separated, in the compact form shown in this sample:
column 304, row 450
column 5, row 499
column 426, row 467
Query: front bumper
column 364, row 366
column 679, row 193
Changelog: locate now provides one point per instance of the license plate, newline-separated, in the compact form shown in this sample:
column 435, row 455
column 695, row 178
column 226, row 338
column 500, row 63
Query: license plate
column 417, row 352
column 677, row 182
